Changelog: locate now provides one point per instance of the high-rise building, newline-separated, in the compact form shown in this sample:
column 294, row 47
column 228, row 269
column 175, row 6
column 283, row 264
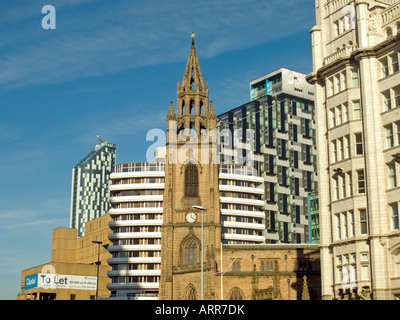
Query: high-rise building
column 356, row 75
column 137, row 205
column 278, row 129
column 90, row 194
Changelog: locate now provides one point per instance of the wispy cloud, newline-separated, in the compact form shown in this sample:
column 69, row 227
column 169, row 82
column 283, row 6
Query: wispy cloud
column 41, row 223
column 147, row 33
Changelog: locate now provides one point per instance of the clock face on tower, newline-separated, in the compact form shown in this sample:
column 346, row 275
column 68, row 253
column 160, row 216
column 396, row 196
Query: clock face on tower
column 191, row 217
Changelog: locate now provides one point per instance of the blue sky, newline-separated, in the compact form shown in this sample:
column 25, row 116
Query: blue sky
column 110, row 68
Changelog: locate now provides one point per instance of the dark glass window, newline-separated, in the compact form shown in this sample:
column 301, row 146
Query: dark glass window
column 191, row 181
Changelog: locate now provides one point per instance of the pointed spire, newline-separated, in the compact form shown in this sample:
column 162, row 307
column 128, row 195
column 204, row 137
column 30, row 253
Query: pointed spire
column 212, row 111
column 305, row 294
column 192, row 78
column 171, row 113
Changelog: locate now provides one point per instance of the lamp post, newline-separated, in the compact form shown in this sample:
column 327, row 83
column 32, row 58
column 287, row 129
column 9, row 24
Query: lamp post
column 98, row 263
column 202, row 210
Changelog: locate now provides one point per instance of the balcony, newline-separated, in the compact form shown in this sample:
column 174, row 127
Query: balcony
column 341, row 53
column 119, row 199
column 223, row 187
column 243, row 225
column 135, row 247
column 134, row 235
column 243, row 213
column 120, row 260
column 390, row 14
column 243, row 237
column 137, row 186
column 131, row 273
column 135, row 223
column 118, row 211
column 253, row 202
column 133, row 286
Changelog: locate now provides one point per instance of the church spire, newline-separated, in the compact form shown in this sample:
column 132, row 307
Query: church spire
column 192, row 79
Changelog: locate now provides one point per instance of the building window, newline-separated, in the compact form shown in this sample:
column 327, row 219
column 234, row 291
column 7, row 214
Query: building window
column 333, row 117
column 344, row 186
column 336, row 188
column 191, row 181
column 359, row 143
column 190, row 252
column 236, row 266
column 364, row 272
column 361, row 181
column 345, row 232
column 330, row 87
column 338, row 227
column 395, row 62
column 387, row 102
column 354, row 78
column 384, row 67
column 357, row 110
column 398, row 132
column 397, row 96
column 345, row 111
column 363, row 221
column 190, row 293
column 352, row 231
column 389, row 136
column 236, row 294
column 334, row 149
column 350, row 182
column 348, row 149
column 392, row 175
column 341, row 149
column 394, row 212
column 336, row 28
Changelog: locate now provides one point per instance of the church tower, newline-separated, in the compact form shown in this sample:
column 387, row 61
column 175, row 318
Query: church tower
column 191, row 230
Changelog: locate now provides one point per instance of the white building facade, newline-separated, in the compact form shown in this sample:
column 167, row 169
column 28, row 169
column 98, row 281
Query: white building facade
column 356, row 48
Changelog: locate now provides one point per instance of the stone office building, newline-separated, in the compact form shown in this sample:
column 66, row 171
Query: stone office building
column 356, row 47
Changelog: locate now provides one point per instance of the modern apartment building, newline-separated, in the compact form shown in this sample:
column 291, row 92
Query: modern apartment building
column 137, row 205
column 278, row 129
column 356, row 47
column 90, row 195
column 242, row 213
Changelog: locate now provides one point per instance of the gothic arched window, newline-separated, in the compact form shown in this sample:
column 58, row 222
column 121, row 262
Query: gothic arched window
column 190, row 252
column 236, row 294
column 191, row 181
column 190, row 293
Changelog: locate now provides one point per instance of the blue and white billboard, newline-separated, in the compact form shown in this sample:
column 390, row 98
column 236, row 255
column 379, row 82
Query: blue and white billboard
column 60, row 281
column 31, row 281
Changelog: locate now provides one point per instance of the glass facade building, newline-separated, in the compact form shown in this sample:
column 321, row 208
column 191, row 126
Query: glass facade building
column 90, row 194
column 278, row 128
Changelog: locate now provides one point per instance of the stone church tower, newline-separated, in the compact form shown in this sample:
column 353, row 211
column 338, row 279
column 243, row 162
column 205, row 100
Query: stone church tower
column 191, row 179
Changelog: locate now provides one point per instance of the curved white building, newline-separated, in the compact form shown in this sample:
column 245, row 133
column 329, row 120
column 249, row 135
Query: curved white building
column 242, row 205
column 137, row 206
